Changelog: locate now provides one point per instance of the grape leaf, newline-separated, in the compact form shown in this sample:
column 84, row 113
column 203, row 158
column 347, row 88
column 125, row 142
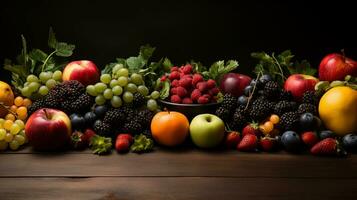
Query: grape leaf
column 64, row 50
column 52, row 41
column 38, row 55
column 165, row 91
column 302, row 67
column 146, row 52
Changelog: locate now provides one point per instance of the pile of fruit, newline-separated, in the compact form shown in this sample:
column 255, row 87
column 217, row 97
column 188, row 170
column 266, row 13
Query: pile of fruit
column 54, row 104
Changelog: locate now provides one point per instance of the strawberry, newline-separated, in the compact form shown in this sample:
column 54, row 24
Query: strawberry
column 78, row 140
column 328, row 146
column 122, row 145
column 267, row 143
column 126, row 136
column 232, row 139
column 252, row 128
column 89, row 133
column 309, row 138
column 248, row 143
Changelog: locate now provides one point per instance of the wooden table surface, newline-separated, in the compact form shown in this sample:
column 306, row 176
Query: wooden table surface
column 185, row 173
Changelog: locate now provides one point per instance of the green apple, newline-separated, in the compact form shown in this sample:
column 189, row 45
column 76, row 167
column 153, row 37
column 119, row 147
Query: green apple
column 207, row 130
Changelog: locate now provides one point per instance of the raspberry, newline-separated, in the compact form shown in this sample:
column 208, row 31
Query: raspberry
column 185, row 82
column 214, row 91
column 187, row 69
column 163, row 78
column 187, row 100
column 175, row 99
column 207, row 96
column 173, row 69
column 196, row 78
column 203, row 100
column 211, row 83
column 196, row 93
column 202, row 86
column 174, row 75
column 173, row 91
column 181, row 91
column 175, row 83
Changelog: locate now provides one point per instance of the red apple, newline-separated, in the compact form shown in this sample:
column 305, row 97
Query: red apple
column 336, row 66
column 297, row 84
column 48, row 129
column 234, row 83
column 84, row 71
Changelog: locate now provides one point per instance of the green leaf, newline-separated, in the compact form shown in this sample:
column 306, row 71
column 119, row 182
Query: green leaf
column 64, row 50
column 38, row 55
column 135, row 64
column 52, row 41
column 219, row 68
column 167, row 63
column 142, row 144
column 121, row 61
column 146, row 52
column 302, row 67
column 24, row 51
column 198, row 67
column 165, row 90
column 262, row 56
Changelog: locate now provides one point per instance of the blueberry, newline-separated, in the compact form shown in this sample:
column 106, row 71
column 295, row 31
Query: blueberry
column 248, row 90
column 291, row 141
column 255, row 82
column 265, row 78
column 349, row 142
column 100, row 111
column 308, row 122
column 327, row 134
column 90, row 118
column 242, row 100
column 77, row 121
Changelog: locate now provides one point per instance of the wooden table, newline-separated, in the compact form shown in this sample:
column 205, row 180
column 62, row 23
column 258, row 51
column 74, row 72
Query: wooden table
column 175, row 174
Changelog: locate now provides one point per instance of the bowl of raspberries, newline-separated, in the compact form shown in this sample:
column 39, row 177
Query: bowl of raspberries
column 190, row 93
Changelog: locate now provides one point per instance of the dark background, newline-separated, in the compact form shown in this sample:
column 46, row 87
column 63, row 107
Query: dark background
column 181, row 30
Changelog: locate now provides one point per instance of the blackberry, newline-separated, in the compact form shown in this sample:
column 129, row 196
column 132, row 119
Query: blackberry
column 284, row 106
column 260, row 109
column 35, row 106
column 285, row 95
column 68, row 96
column 132, row 127
column 239, row 119
column 288, row 121
column 83, row 103
column 52, row 102
column 138, row 100
column 229, row 101
column 271, row 89
column 144, row 117
column 307, row 108
column 232, row 125
column 223, row 113
column 309, row 97
column 102, row 128
column 115, row 117
column 128, row 111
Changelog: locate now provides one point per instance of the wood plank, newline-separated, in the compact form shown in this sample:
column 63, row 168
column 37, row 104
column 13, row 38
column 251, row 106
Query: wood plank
column 173, row 163
column 186, row 188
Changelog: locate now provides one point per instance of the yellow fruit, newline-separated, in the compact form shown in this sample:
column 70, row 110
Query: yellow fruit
column 6, row 97
column 338, row 110
column 18, row 101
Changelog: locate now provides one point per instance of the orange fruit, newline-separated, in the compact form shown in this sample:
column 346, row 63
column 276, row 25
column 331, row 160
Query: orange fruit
column 18, row 101
column 6, row 97
column 169, row 128
column 338, row 110
column 27, row 102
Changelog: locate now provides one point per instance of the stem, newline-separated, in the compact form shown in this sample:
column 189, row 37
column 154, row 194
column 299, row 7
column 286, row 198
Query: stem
column 252, row 93
column 46, row 113
column 48, row 57
column 279, row 66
